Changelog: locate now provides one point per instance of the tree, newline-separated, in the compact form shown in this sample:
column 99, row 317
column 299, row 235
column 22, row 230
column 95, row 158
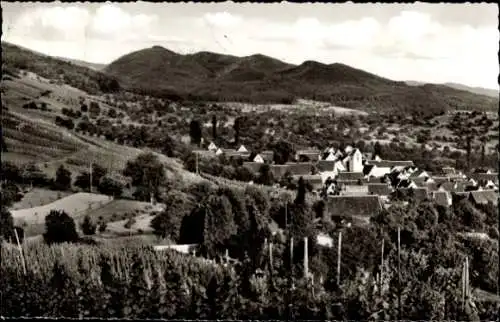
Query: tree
column 102, row 227
column 146, row 172
column 236, row 128
column 59, row 228
column 88, row 227
column 10, row 172
column 214, row 127
column 168, row 223
column 83, row 180
column 195, row 132
column 94, row 109
column 33, row 175
column 377, row 149
column 63, row 178
column 112, row 113
column 283, row 152
column 110, row 186
column 265, row 175
column 219, row 223
column 6, row 223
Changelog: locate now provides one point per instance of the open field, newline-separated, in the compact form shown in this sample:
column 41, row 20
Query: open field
column 39, row 197
column 74, row 205
column 119, row 208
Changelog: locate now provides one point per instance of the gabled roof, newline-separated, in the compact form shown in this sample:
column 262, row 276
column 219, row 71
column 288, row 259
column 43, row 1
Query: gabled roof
column 242, row 149
column 381, row 189
column 324, row 165
column 418, row 173
column 267, row 155
column 420, row 194
column 354, row 190
column 347, row 206
column 344, row 175
column 440, row 180
column 309, row 152
column 252, row 166
column 313, row 179
column 485, row 176
column 367, row 168
column 390, row 164
column 483, row 197
column 300, row 168
column 448, row 170
column 278, row 170
column 447, row 186
column 442, row 198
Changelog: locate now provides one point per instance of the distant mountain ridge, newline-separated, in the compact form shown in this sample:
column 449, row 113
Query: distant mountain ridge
column 207, row 76
column 262, row 79
column 476, row 90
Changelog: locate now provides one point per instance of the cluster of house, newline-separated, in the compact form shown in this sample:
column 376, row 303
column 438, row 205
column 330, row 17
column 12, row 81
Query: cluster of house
column 359, row 184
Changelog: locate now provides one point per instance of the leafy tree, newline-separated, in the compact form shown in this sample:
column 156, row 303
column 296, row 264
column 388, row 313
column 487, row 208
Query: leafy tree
column 10, row 172
column 112, row 113
column 219, row 224
column 59, row 228
column 88, row 226
column 110, row 186
column 265, row 175
column 63, row 178
column 94, row 109
column 33, row 175
column 168, row 223
column 283, row 152
column 377, row 149
column 195, row 132
column 236, row 128
column 146, row 172
column 6, row 223
column 102, row 227
column 214, row 127
column 83, row 108
column 83, row 180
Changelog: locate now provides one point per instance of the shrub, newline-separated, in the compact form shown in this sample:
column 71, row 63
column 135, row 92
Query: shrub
column 87, row 226
column 59, row 228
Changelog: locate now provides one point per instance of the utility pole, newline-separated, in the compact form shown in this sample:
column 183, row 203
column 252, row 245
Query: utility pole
column 90, row 173
column 399, row 272
column 382, row 266
column 338, row 258
column 197, row 172
column 306, row 259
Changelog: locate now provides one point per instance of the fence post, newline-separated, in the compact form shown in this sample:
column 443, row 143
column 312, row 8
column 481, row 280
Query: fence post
column 306, row 259
column 20, row 250
column 339, row 255
column 399, row 272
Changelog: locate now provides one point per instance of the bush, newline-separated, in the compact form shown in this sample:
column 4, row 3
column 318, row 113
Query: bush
column 87, row 226
column 129, row 223
column 59, row 228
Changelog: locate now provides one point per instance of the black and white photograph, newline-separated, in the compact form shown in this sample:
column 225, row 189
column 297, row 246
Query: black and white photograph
column 250, row 161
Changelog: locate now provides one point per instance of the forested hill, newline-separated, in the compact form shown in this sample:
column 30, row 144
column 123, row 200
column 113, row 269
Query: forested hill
column 262, row 79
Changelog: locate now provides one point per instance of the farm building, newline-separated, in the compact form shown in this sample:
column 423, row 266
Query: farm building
column 242, row 149
column 442, row 198
column 279, row 170
column 381, row 189
column 308, row 155
column 313, row 179
column 484, row 197
column 349, row 206
column 254, row 167
column 300, row 168
column 354, row 190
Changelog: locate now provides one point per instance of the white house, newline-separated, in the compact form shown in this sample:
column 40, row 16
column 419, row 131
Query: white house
column 212, row 147
column 356, row 161
column 324, row 240
column 331, row 157
column 348, row 149
column 219, row 151
column 258, row 158
column 242, row 149
column 378, row 172
column 377, row 158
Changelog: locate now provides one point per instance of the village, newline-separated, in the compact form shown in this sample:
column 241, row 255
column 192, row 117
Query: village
column 358, row 185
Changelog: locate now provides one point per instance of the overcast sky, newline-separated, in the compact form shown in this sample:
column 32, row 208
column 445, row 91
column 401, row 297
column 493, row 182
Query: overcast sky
column 423, row 42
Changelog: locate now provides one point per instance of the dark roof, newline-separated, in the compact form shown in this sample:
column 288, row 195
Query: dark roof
column 367, row 168
column 483, row 197
column 417, row 173
column 441, row 198
column 420, row 194
column 278, row 170
column 252, row 166
column 324, row 165
column 267, row 155
column 440, row 180
column 448, row 186
column 381, row 189
column 314, row 180
column 300, row 168
column 309, row 153
column 485, row 176
column 390, row 164
column 351, row 182
column 448, row 170
column 347, row 206
column 342, row 176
